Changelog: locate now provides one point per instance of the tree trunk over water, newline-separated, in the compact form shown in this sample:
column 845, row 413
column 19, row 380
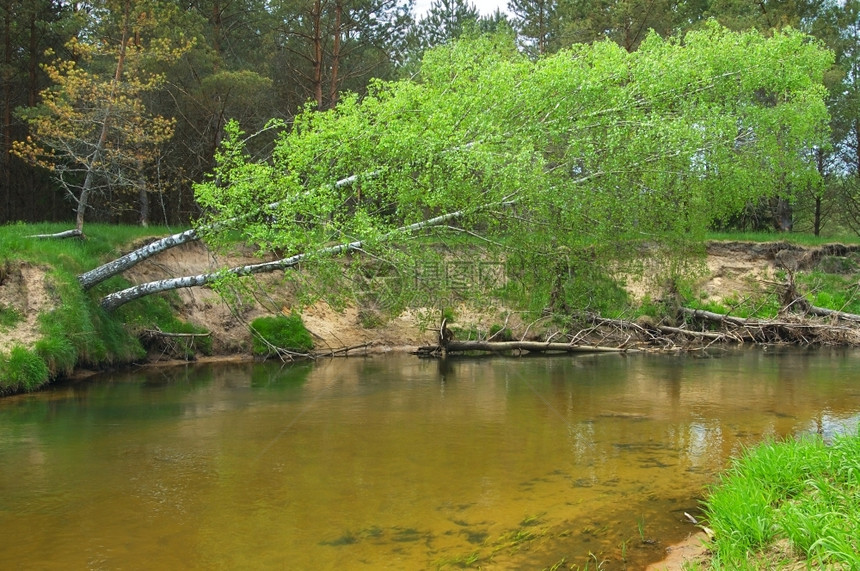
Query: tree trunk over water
column 530, row 346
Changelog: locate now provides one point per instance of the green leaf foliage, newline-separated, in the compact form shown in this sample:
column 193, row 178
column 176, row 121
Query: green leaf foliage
column 583, row 151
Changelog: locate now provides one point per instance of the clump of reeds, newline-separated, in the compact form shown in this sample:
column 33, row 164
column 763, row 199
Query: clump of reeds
column 787, row 502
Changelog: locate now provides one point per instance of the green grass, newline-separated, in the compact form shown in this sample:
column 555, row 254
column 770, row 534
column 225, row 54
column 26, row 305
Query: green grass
column 832, row 284
column 784, row 502
column 831, row 291
column 103, row 241
column 21, row 370
column 9, row 316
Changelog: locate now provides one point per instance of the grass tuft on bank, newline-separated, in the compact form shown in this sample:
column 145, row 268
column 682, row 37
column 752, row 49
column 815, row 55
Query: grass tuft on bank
column 782, row 503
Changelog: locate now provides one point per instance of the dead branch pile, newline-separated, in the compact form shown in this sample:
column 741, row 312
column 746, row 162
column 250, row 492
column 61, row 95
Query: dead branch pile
column 170, row 345
column 515, row 347
column 792, row 328
column 699, row 329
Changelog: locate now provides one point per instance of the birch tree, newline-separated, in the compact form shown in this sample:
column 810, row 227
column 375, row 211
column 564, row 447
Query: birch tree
column 558, row 164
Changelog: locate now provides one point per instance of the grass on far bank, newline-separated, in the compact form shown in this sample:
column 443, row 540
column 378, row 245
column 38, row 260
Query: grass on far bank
column 801, row 238
column 77, row 331
column 787, row 502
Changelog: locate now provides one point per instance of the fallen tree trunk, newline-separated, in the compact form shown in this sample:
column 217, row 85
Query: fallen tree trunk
column 59, row 235
column 823, row 312
column 530, row 346
column 715, row 317
column 114, row 300
column 98, row 275
column 774, row 331
column 159, row 333
column 697, row 334
column 652, row 332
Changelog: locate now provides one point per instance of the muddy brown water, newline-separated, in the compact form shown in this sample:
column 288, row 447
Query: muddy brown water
column 392, row 462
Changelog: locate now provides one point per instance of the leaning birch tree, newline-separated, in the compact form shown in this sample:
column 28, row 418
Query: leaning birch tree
column 559, row 164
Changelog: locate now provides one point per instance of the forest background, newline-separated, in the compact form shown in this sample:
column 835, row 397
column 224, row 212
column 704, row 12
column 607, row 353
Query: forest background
column 162, row 78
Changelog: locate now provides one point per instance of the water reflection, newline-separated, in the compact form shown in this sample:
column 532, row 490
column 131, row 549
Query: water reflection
column 395, row 462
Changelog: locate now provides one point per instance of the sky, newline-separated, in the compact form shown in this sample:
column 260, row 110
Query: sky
column 485, row 7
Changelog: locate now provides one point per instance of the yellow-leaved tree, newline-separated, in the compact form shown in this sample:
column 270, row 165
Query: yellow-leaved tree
column 92, row 129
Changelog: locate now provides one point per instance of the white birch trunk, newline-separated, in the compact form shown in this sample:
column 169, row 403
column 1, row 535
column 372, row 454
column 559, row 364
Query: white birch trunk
column 112, row 301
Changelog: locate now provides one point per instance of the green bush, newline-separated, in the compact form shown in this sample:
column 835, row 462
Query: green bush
column 283, row 332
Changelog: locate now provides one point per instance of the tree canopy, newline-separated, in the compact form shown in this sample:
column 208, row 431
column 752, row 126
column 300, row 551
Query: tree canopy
column 576, row 151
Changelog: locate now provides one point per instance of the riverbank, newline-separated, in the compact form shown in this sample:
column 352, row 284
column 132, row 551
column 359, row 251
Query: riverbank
column 780, row 505
column 50, row 328
column 788, row 504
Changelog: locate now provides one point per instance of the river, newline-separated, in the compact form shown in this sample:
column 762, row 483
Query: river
column 395, row 462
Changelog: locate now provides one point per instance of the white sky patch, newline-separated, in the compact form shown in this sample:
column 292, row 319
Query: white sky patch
column 485, row 7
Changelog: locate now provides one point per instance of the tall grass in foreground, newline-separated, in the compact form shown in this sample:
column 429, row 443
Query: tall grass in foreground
column 791, row 501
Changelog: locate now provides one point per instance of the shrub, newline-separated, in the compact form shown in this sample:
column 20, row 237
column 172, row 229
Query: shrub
column 282, row 332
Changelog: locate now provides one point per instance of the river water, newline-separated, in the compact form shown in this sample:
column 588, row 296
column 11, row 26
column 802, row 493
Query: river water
column 395, row 462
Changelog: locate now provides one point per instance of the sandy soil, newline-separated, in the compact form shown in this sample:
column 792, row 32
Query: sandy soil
column 270, row 294
column 24, row 290
column 691, row 550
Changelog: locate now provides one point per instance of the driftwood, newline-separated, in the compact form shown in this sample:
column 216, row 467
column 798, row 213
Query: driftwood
column 343, row 350
column 798, row 330
column 174, row 345
column 823, row 312
column 504, row 346
column 658, row 333
column 645, row 335
column 160, row 333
